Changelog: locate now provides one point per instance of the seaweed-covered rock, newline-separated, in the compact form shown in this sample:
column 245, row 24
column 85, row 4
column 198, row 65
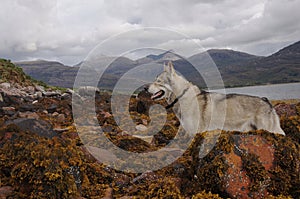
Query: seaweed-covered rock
column 51, row 161
column 249, row 165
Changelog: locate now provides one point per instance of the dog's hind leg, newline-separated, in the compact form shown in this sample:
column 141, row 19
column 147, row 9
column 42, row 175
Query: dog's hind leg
column 270, row 122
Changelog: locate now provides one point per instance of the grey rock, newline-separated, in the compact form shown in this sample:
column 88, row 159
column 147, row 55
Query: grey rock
column 70, row 91
column 87, row 91
column 141, row 127
column 39, row 94
column 40, row 88
column 51, row 94
column 28, row 115
column 29, row 89
column 28, row 107
column 52, row 108
column 39, row 127
column 65, row 96
column 55, row 114
column 10, row 111
column 5, row 85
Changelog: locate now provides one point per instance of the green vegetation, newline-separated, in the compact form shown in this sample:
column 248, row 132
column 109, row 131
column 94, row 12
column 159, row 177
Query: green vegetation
column 11, row 73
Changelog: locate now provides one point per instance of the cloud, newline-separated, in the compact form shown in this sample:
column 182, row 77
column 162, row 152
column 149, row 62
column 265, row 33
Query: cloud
column 67, row 30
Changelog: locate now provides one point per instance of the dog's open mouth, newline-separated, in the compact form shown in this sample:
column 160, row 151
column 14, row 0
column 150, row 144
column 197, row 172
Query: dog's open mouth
column 157, row 94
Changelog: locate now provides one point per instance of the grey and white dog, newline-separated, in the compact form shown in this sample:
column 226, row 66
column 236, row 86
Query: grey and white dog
column 200, row 111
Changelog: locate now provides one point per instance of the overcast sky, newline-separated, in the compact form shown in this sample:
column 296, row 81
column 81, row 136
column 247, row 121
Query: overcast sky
column 67, row 30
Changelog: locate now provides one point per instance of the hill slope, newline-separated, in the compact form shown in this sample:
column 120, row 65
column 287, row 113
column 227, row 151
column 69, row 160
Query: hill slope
column 281, row 67
column 13, row 74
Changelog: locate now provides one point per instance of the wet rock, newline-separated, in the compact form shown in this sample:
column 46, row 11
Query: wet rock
column 5, row 192
column 39, row 127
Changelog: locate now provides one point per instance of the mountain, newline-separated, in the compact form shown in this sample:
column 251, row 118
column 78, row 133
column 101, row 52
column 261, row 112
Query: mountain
column 50, row 72
column 236, row 68
column 166, row 56
column 280, row 67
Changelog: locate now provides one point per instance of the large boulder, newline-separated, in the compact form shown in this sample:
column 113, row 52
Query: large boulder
column 39, row 127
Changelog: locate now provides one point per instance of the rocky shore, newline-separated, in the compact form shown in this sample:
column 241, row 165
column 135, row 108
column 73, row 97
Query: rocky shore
column 42, row 155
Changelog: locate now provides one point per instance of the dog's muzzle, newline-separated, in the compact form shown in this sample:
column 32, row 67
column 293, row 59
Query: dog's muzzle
column 158, row 94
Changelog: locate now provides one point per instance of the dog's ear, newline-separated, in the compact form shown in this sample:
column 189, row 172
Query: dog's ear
column 165, row 67
column 169, row 68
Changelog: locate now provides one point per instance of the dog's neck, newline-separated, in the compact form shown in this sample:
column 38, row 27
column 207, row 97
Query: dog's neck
column 174, row 99
column 179, row 93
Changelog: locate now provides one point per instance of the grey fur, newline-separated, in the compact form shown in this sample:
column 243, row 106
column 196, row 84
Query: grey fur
column 210, row 111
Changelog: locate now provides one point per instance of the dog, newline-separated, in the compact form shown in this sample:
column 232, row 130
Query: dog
column 200, row 111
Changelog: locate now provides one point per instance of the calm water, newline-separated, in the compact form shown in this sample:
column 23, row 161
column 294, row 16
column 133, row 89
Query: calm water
column 273, row 92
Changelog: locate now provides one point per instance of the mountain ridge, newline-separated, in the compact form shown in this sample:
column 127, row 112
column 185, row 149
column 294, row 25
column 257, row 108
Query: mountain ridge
column 237, row 68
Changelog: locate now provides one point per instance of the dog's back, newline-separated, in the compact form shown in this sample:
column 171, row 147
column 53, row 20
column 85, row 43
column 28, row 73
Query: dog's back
column 242, row 112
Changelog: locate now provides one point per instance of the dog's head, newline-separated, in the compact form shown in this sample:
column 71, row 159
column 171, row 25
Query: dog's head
column 161, row 87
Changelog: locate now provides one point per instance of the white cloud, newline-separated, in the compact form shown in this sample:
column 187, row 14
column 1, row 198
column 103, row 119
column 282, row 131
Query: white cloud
column 67, row 30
